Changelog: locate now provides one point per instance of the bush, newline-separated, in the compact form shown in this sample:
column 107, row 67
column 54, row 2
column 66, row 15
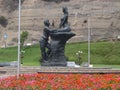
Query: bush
column 24, row 36
column 3, row 21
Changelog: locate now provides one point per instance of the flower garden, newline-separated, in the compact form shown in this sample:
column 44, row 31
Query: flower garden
column 61, row 82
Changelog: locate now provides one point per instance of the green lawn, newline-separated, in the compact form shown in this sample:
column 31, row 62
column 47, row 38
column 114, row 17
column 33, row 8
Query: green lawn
column 31, row 55
column 107, row 66
column 101, row 52
column 106, row 53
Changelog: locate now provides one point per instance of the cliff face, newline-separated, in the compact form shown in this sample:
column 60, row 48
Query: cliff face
column 102, row 16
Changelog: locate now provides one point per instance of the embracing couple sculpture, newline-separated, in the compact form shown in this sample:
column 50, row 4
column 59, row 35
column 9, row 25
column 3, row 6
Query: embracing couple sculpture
column 53, row 53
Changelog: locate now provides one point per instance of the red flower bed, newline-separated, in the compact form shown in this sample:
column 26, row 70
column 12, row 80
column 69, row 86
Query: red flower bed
column 61, row 82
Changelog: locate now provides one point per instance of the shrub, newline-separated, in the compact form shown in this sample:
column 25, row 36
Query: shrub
column 24, row 36
column 3, row 21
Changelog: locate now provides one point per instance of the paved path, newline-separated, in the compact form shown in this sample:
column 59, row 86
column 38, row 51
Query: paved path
column 8, row 71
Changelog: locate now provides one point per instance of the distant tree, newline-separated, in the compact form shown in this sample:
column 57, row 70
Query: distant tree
column 3, row 21
column 23, row 37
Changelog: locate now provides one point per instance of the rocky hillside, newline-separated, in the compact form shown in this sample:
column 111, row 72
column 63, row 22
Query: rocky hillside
column 102, row 17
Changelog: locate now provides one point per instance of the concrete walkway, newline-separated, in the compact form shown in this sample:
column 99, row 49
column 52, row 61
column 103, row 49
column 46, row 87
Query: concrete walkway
column 8, row 71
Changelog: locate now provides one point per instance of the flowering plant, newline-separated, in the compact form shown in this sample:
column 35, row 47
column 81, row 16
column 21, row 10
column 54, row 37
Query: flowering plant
column 79, row 56
column 61, row 82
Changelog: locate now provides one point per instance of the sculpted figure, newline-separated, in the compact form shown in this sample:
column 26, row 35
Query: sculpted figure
column 64, row 26
column 44, row 41
column 64, row 19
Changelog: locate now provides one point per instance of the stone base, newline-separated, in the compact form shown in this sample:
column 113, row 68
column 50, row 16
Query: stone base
column 57, row 46
column 46, row 63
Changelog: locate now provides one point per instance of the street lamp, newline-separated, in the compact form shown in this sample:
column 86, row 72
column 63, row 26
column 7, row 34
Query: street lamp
column 89, row 36
column 19, row 15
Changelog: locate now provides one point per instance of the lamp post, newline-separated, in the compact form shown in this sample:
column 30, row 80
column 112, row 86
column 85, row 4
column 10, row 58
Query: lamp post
column 89, row 38
column 19, row 15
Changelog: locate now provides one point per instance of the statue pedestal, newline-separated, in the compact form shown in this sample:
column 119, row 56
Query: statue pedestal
column 58, row 41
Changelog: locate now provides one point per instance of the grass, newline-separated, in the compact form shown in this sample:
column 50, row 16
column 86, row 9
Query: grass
column 31, row 55
column 106, row 66
column 8, row 54
column 101, row 52
column 106, row 53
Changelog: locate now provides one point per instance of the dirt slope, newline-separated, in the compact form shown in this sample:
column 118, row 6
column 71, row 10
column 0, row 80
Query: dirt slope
column 103, row 16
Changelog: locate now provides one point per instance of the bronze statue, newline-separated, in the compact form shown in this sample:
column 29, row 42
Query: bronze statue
column 55, row 54
column 44, row 41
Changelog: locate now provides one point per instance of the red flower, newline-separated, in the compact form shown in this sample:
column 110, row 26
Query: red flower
column 61, row 81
